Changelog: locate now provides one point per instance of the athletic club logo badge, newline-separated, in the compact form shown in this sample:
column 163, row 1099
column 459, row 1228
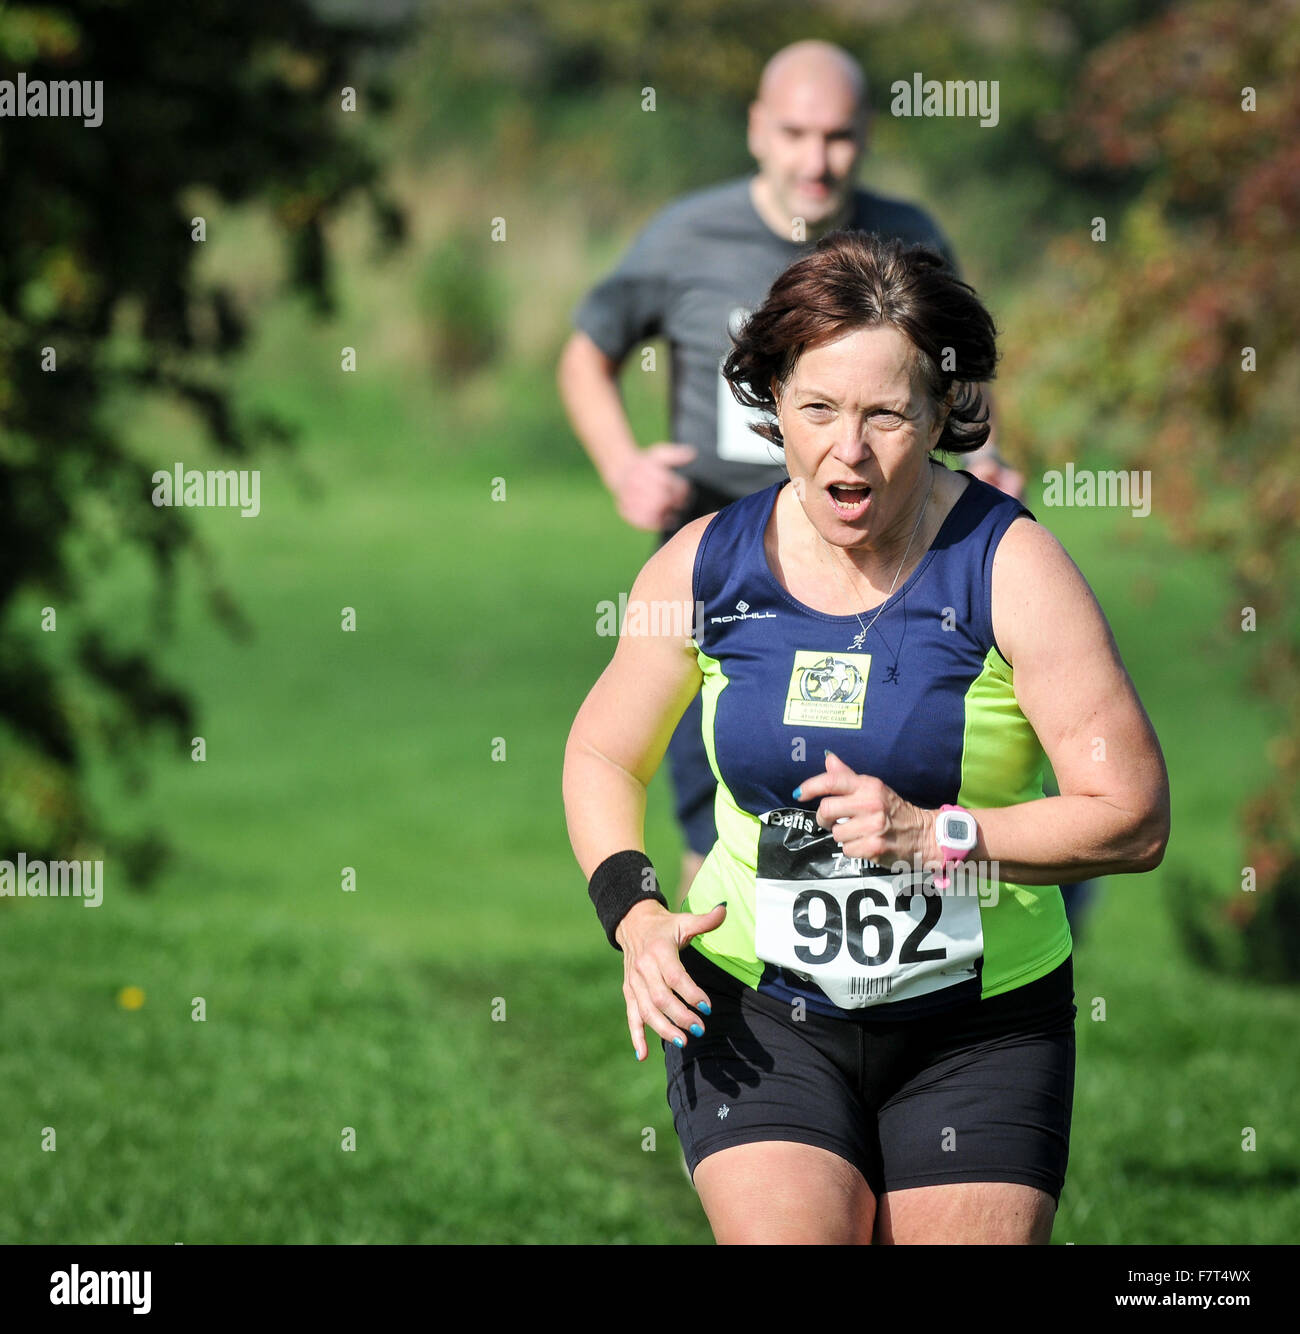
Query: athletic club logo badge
column 827, row 689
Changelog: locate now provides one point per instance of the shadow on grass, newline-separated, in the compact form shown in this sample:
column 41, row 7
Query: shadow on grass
column 1143, row 1173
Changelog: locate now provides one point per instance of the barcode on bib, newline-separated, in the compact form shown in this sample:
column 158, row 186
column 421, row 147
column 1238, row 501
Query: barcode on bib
column 862, row 987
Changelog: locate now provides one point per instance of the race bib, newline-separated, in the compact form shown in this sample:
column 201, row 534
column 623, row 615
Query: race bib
column 736, row 442
column 863, row 935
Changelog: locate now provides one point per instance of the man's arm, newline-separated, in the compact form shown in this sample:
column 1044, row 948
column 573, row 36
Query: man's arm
column 647, row 491
column 625, row 308
column 588, row 384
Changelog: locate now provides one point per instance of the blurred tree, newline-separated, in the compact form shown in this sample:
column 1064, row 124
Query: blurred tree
column 1175, row 344
column 460, row 302
column 99, row 264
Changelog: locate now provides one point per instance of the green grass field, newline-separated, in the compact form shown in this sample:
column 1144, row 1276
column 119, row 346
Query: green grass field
column 374, row 1009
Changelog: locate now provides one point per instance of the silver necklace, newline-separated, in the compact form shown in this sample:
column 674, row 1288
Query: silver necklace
column 861, row 638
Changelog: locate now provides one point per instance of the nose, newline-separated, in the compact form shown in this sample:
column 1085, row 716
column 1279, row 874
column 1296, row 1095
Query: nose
column 815, row 156
column 851, row 446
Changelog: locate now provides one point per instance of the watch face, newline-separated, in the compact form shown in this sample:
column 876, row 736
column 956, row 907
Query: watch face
column 956, row 830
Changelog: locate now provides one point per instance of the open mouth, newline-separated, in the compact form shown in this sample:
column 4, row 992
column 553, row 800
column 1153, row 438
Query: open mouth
column 849, row 501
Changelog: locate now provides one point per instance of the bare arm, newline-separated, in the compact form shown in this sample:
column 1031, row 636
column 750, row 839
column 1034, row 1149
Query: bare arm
column 1113, row 812
column 622, row 729
column 647, row 490
column 615, row 746
column 588, row 385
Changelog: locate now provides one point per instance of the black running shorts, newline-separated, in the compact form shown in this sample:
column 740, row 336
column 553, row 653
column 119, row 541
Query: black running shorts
column 981, row 1092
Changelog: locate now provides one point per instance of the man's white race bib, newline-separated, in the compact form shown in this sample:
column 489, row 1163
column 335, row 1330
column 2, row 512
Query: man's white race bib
column 863, row 935
column 736, row 442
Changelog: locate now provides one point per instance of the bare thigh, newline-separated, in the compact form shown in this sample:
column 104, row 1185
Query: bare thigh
column 979, row 1213
column 774, row 1193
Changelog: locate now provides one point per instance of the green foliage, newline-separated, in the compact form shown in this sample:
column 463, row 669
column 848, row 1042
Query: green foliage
column 461, row 305
column 1174, row 343
column 103, row 304
column 1236, row 933
column 555, row 93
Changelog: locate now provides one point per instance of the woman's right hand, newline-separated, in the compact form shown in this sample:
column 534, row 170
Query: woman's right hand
column 656, row 986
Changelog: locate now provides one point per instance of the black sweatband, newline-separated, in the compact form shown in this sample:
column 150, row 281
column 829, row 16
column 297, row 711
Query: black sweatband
column 618, row 884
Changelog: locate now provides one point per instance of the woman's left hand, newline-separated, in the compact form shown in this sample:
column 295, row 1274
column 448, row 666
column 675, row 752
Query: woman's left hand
column 868, row 819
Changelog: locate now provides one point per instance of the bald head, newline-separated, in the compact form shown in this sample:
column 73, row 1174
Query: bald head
column 812, row 63
column 807, row 131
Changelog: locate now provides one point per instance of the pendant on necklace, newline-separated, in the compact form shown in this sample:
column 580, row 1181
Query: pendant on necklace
column 859, row 639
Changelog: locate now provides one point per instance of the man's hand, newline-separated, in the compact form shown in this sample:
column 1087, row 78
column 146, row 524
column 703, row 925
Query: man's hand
column 989, row 466
column 648, row 492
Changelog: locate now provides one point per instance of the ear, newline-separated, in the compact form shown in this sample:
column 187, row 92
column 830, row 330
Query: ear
column 864, row 134
column 753, row 130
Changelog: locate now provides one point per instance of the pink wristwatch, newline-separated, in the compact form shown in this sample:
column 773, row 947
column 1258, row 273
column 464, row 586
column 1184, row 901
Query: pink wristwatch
column 956, row 833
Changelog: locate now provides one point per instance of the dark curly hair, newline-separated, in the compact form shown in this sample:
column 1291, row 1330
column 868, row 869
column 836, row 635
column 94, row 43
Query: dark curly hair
column 854, row 280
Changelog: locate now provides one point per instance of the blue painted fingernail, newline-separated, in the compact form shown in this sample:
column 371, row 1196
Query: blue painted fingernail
column 698, row 1030
column 677, row 1042
column 797, row 791
column 703, row 1007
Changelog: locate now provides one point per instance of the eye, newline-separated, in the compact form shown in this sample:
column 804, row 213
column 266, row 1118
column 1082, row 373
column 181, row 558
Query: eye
column 887, row 419
column 815, row 407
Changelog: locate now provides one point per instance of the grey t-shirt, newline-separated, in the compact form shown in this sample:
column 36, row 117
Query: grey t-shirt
column 698, row 267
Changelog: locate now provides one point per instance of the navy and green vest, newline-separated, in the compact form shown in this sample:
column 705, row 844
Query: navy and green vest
column 938, row 722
